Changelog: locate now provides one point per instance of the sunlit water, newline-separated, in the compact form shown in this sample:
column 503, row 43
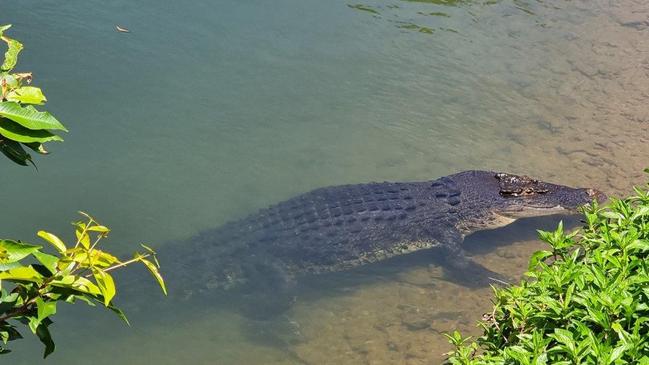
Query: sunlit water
column 210, row 110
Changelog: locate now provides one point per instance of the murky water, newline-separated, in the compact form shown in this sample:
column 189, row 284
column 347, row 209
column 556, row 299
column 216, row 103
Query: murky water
column 208, row 111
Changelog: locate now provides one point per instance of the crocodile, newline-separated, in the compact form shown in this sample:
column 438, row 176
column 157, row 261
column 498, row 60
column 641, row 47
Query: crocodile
column 337, row 228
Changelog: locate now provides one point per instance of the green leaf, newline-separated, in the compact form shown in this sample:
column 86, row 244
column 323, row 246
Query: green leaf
column 79, row 255
column 3, row 28
column 99, row 228
column 44, row 309
column 563, row 336
column 11, row 56
column 152, row 252
column 642, row 245
column 149, row 249
column 8, row 302
column 16, row 251
column 10, row 81
column 45, row 337
column 21, row 134
column 154, row 271
column 102, row 259
column 23, row 273
column 79, row 284
column 537, row 257
column 13, row 265
column 106, row 285
column 611, row 215
column 33, row 323
column 88, row 299
column 617, row 353
column 27, row 95
column 14, row 151
column 82, row 236
column 53, row 239
column 119, row 313
column 29, row 117
column 48, row 261
column 9, row 333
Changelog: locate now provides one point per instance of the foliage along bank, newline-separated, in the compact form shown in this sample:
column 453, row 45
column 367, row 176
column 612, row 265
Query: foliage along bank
column 586, row 299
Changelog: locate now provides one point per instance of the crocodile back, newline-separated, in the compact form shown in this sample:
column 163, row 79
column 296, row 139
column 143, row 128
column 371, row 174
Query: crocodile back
column 327, row 229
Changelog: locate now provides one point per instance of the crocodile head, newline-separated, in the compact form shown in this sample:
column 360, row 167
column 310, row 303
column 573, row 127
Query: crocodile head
column 509, row 197
column 522, row 196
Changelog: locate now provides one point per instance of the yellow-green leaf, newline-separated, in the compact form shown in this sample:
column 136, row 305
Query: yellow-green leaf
column 49, row 261
column 29, row 117
column 53, row 239
column 18, row 133
column 106, row 285
column 77, row 283
column 82, row 237
column 80, row 257
column 23, row 273
column 3, row 28
column 99, row 228
column 102, row 259
column 27, row 95
column 15, row 251
column 152, row 252
column 11, row 56
column 44, row 309
column 154, row 271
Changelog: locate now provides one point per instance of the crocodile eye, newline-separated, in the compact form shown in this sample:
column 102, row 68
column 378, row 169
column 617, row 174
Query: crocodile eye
column 516, row 186
column 526, row 191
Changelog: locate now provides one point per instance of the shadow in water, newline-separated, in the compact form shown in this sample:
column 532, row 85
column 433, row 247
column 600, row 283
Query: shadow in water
column 267, row 319
column 521, row 230
column 314, row 287
column 281, row 332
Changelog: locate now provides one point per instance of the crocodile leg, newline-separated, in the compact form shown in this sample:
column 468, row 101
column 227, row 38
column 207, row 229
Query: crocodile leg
column 270, row 290
column 467, row 272
column 462, row 269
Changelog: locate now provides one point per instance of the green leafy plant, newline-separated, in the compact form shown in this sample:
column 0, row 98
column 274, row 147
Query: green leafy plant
column 32, row 282
column 586, row 300
column 21, row 124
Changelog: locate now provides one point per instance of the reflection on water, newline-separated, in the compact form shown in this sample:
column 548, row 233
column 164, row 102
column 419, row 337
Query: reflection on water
column 428, row 16
column 191, row 121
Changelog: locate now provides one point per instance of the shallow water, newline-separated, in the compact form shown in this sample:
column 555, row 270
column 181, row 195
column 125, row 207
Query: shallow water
column 208, row 111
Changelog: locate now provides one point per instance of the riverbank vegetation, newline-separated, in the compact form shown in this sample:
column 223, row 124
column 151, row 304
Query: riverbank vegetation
column 33, row 282
column 585, row 299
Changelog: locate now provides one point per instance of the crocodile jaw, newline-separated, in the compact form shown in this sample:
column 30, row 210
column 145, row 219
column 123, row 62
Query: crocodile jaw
column 502, row 219
column 531, row 211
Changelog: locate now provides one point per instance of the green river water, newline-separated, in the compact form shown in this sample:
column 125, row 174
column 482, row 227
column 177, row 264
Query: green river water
column 209, row 110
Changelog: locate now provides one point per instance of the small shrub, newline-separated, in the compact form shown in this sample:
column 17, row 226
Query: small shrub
column 33, row 282
column 586, row 300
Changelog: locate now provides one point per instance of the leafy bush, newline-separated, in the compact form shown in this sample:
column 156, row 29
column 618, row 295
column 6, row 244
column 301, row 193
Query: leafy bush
column 21, row 125
column 587, row 299
column 77, row 272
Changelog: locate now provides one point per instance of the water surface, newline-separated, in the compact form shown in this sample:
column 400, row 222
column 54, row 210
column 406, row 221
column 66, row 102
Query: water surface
column 208, row 111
